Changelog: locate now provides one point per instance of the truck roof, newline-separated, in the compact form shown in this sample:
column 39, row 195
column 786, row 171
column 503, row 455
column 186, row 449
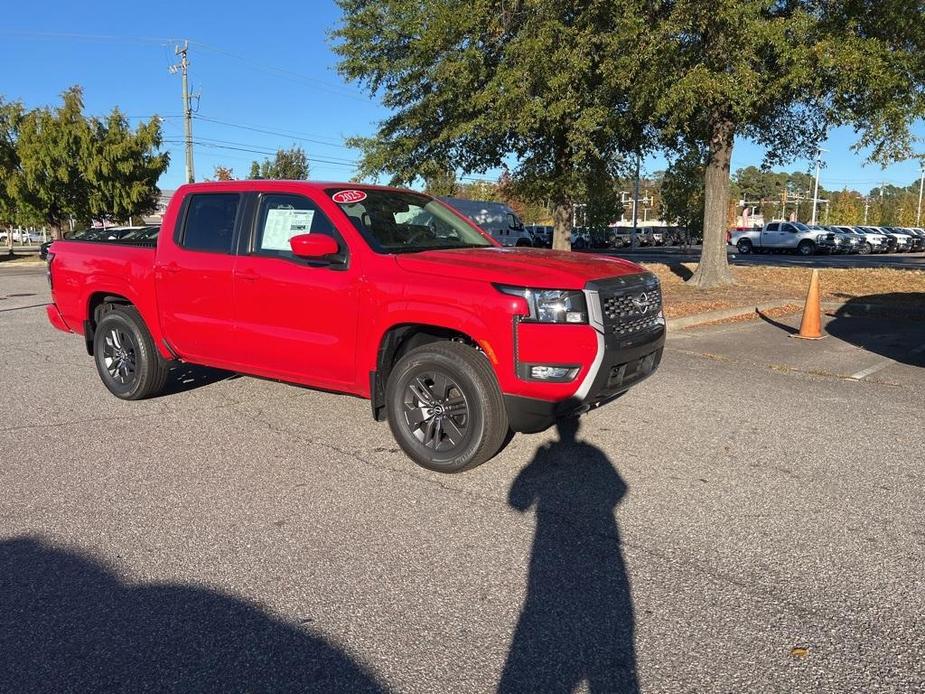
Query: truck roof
column 259, row 184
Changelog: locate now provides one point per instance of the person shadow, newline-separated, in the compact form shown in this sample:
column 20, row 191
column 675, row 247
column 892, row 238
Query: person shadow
column 577, row 622
column 69, row 623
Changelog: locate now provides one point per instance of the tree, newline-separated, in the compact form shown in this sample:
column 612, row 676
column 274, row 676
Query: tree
column 471, row 85
column 780, row 72
column 224, row 173
column 11, row 114
column 682, row 190
column 441, row 182
column 289, row 164
column 49, row 183
column 121, row 167
column 846, row 207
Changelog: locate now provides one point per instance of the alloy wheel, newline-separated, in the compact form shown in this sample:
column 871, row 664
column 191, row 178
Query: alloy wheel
column 119, row 356
column 436, row 411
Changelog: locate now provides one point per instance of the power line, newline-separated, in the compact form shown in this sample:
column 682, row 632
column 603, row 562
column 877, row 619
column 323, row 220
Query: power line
column 56, row 35
column 285, row 73
column 293, row 134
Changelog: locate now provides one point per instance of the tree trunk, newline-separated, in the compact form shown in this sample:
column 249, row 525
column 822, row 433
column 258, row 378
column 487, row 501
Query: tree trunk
column 713, row 269
column 562, row 225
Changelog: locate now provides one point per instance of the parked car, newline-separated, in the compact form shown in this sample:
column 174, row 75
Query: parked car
column 916, row 241
column 900, row 242
column 541, row 235
column 495, row 218
column 861, row 240
column 784, row 236
column 843, row 244
column 24, row 236
column 381, row 293
column 581, row 239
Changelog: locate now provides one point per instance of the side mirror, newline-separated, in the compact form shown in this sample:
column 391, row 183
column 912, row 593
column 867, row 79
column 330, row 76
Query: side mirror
column 313, row 246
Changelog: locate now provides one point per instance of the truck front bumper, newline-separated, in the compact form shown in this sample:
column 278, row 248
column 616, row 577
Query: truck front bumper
column 622, row 365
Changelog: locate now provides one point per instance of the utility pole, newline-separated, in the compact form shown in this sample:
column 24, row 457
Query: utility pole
column 918, row 213
column 183, row 68
column 866, row 207
column 633, row 242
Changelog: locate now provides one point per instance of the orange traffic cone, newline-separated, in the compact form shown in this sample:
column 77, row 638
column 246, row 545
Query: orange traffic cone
column 811, row 325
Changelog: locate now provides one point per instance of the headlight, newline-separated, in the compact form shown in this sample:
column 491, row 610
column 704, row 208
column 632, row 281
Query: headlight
column 551, row 305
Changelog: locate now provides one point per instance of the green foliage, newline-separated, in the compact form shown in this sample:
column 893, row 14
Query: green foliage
column 682, row 192
column 48, row 183
column 121, row 167
column 58, row 164
column 846, row 207
column 470, row 84
column 288, row 164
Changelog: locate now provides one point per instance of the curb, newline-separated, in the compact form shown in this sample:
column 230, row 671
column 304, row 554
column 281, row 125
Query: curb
column 724, row 314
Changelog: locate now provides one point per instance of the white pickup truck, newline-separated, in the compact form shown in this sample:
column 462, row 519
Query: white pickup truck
column 784, row 236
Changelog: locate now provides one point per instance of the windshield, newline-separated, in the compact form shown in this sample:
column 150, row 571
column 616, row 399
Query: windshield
column 801, row 227
column 394, row 221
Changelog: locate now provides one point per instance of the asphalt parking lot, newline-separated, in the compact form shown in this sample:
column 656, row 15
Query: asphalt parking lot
column 749, row 519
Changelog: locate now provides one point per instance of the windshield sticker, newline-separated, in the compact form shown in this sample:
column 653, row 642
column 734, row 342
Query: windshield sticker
column 345, row 197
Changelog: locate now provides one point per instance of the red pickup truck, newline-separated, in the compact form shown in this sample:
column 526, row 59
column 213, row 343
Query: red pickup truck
column 382, row 293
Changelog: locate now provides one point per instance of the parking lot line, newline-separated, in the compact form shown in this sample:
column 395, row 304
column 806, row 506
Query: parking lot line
column 864, row 373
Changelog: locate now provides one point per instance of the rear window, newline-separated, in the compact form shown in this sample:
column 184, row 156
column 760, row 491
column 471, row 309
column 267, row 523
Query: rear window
column 210, row 219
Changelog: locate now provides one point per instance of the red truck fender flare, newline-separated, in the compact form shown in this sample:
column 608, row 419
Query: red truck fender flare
column 426, row 315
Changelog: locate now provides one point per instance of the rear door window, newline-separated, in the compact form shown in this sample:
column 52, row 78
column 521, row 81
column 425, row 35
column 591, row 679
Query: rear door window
column 210, row 222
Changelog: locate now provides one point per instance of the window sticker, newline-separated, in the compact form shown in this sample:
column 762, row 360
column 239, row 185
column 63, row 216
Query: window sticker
column 348, row 196
column 282, row 224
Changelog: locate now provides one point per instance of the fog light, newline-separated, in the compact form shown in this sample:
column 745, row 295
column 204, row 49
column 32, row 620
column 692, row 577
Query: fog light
column 553, row 373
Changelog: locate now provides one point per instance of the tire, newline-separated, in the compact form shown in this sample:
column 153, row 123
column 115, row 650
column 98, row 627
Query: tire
column 126, row 358
column 866, row 248
column 454, row 376
column 744, row 246
column 806, row 248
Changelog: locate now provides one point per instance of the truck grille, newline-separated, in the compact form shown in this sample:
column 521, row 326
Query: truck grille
column 631, row 307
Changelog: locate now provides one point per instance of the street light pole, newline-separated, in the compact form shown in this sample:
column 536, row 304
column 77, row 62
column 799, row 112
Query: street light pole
column 918, row 213
column 816, row 191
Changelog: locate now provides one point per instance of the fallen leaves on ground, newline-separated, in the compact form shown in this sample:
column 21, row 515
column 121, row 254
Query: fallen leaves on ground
column 759, row 284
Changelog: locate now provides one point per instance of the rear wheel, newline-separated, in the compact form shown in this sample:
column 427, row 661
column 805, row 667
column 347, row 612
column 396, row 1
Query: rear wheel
column 445, row 408
column 806, row 248
column 126, row 358
column 744, row 246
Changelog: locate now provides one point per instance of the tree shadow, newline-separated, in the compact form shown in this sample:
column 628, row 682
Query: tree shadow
column 777, row 324
column 891, row 325
column 577, row 622
column 69, row 623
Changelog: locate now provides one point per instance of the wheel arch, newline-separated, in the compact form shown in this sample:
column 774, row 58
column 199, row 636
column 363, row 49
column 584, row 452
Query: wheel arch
column 396, row 341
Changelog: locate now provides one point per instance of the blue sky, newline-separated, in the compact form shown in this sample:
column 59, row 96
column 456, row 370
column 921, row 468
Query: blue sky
column 267, row 79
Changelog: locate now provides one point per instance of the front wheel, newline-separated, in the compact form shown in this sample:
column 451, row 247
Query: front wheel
column 806, row 248
column 865, row 248
column 125, row 355
column 445, row 408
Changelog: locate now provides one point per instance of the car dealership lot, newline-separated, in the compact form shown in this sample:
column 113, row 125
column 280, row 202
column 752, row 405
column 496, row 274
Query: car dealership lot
column 751, row 516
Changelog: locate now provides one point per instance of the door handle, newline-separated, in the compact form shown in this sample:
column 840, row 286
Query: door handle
column 172, row 267
column 248, row 275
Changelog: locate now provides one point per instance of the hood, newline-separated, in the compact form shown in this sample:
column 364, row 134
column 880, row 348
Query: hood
column 525, row 267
